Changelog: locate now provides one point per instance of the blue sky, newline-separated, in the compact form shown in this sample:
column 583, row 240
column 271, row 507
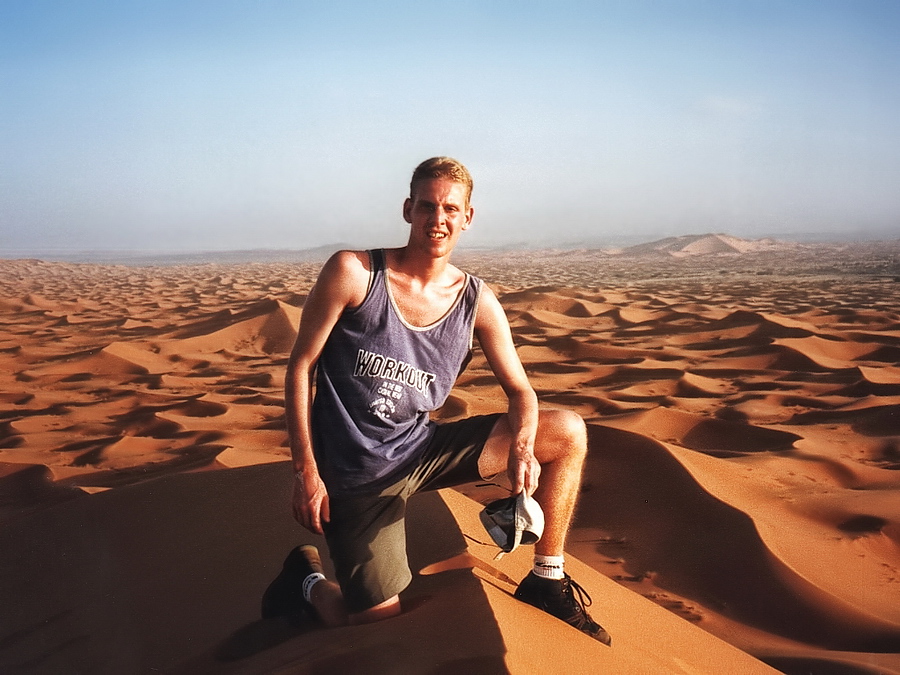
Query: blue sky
column 186, row 126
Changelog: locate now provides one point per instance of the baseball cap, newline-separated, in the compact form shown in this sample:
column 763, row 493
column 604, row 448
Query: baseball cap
column 513, row 520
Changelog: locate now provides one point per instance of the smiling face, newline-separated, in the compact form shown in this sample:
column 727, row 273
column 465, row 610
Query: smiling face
column 438, row 212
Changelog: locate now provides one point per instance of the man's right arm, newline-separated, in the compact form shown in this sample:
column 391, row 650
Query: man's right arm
column 342, row 283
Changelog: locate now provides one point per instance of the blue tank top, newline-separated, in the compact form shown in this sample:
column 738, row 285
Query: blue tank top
column 378, row 378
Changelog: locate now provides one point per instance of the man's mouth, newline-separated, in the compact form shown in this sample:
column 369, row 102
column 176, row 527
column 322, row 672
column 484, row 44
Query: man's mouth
column 437, row 235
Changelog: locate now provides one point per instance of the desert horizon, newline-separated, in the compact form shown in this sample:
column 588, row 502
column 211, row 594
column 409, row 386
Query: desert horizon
column 743, row 405
column 864, row 244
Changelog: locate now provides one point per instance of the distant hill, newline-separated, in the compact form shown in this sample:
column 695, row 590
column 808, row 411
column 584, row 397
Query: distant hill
column 163, row 258
column 705, row 244
column 317, row 254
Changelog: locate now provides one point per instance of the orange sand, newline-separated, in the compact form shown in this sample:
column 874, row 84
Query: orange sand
column 743, row 473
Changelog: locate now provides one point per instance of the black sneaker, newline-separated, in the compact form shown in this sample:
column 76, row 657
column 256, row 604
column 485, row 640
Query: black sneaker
column 558, row 598
column 284, row 596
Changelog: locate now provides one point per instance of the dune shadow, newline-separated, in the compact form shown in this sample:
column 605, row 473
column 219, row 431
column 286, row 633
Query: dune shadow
column 476, row 665
column 259, row 636
column 700, row 547
column 802, row 665
column 878, row 420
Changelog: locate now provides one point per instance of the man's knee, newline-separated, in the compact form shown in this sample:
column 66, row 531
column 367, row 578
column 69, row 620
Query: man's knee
column 564, row 431
column 576, row 431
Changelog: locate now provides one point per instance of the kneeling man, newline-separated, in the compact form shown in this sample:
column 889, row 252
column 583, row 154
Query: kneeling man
column 385, row 333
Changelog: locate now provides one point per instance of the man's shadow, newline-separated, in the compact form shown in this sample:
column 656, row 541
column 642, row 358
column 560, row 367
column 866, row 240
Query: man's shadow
column 434, row 538
column 260, row 636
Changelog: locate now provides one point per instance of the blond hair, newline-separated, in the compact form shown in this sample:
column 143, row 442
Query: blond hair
column 445, row 168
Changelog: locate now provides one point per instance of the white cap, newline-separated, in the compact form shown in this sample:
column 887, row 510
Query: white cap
column 512, row 521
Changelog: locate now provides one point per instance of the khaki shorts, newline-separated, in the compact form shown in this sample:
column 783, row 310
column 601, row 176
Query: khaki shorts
column 367, row 534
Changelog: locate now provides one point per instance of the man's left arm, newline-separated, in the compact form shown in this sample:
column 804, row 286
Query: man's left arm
column 494, row 335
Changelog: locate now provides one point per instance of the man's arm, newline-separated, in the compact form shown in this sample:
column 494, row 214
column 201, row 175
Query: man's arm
column 495, row 337
column 342, row 283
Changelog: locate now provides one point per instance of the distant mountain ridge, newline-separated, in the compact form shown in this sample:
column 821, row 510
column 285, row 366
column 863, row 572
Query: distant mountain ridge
column 164, row 258
column 685, row 246
column 705, row 244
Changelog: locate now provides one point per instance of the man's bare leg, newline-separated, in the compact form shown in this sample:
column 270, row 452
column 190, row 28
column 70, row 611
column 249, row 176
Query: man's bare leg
column 328, row 601
column 302, row 582
column 560, row 448
column 385, row 610
column 325, row 596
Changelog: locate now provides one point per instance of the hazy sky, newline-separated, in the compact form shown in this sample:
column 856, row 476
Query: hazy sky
column 164, row 125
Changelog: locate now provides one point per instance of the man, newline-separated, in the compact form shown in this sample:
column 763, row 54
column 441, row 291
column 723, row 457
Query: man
column 385, row 334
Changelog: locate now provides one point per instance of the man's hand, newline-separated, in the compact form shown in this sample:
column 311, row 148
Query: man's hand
column 311, row 507
column 524, row 470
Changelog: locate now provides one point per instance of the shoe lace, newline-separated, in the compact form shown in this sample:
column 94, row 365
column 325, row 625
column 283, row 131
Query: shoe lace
column 571, row 589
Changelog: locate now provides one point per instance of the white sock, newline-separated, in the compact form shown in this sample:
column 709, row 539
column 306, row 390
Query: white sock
column 549, row 566
column 309, row 582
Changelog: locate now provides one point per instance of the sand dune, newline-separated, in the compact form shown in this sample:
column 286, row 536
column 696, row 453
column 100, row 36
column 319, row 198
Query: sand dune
column 742, row 476
column 704, row 244
column 167, row 576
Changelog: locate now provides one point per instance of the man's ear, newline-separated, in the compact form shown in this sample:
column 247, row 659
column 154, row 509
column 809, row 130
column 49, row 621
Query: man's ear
column 407, row 206
column 469, row 215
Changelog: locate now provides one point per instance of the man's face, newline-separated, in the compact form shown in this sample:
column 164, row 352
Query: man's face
column 438, row 212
